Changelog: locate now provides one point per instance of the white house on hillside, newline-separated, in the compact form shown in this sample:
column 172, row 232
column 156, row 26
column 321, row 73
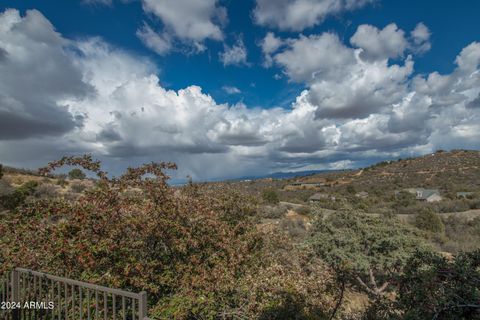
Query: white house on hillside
column 428, row 195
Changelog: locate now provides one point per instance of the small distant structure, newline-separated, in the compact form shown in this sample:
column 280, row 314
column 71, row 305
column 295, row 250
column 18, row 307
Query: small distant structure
column 320, row 197
column 362, row 194
column 428, row 195
column 465, row 194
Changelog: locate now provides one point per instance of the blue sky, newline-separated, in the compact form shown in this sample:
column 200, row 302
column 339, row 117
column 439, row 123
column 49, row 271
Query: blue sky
column 339, row 83
column 453, row 25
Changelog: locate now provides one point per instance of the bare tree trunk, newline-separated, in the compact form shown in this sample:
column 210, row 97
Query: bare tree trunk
column 339, row 301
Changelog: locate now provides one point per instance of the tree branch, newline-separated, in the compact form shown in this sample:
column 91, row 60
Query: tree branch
column 372, row 279
column 340, row 300
column 365, row 286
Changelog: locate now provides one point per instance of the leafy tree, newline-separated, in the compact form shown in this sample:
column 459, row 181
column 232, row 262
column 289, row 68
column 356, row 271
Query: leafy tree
column 270, row 197
column 428, row 220
column 435, row 287
column 1, row 171
column 366, row 251
column 76, row 174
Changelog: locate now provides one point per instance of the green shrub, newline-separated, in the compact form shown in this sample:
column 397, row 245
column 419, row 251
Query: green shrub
column 428, row 220
column 12, row 200
column 434, row 287
column 404, row 199
column 17, row 198
column 362, row 248
column 28, row 188
column 475, row 204
column 76, row 174
column 270, row 196
column 453, row 205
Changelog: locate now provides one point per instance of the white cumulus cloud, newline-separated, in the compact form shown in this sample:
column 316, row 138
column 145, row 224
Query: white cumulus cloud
column 61, row 96
column 159, row 43
column 296, row 15
column 235, row 54
column 390, row 42
column 231, row 90
column 270, row 44
column 191, row 21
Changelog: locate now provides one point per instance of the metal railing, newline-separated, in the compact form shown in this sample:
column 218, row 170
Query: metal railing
column 28, row 294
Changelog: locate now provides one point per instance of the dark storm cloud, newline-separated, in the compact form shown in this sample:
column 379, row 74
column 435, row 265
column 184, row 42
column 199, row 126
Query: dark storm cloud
column 47, row 120
column 109, row 135
column 241, row 139
column 308, row 142
column 126, row 150
column 474, row 104
column 352, row 112
column 360, row 105
column 36, row 73
column 3, row 54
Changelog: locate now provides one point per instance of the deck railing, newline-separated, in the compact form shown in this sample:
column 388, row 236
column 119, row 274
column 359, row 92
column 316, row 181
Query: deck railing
column 27, row 294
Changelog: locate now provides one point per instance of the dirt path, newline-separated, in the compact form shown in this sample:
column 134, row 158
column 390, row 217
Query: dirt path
column 359, row 173
column 469, row 215
column 291, row 204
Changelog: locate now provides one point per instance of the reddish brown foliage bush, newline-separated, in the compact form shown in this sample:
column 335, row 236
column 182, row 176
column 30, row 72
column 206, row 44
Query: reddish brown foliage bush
column 191, row 250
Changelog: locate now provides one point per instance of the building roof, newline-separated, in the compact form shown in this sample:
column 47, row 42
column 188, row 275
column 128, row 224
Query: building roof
column 464, row 193
column 426, row 193
column 307, row 183
column 421, row 193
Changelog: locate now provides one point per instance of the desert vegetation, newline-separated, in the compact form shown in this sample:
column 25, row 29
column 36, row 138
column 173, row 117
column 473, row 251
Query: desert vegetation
column 252, row 251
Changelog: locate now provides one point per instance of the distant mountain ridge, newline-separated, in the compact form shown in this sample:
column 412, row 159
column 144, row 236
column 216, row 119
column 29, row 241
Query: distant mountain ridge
column 274, row 175
column 284, row 175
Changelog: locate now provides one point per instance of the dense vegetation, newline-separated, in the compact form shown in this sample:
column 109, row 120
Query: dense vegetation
column 197, row 255
column 369, row 251
column 204, row 254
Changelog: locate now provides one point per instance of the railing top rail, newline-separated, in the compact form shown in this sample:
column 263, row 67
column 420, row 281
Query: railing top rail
column 117, row 292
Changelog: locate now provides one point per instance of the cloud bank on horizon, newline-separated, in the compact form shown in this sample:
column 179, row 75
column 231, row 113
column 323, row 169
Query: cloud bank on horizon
column 362, row 98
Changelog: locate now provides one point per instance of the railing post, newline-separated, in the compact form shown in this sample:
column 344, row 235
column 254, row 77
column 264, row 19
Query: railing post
column 15, row 293
column 142, row 305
